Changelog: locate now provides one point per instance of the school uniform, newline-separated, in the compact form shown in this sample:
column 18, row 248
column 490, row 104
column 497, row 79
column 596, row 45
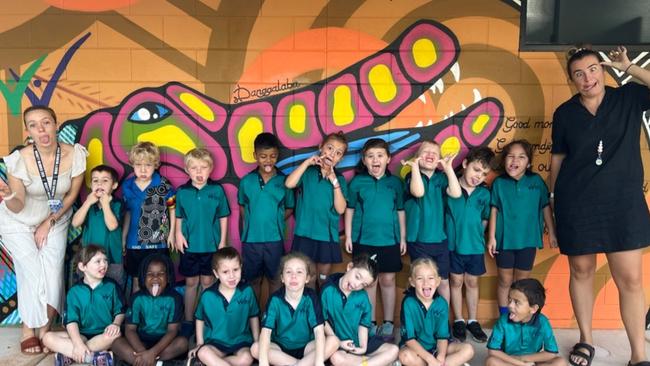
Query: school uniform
column 96, row 232
column 465, row 231
column 345, row 314
column 317, row 223
column 153, row 314
column 518, row 338
column 520, row 221
column 293, row 328
column 375, row 226
column 93, row 309
column 425, row 221
column 200, row 211
column 226, row 323
column 426, row 326
column 264, row 204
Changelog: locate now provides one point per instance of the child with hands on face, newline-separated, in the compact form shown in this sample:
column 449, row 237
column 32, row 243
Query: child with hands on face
column 424, row 322
column 320, row 200
column 424, row 204
column 94, row 313
column 100, row 216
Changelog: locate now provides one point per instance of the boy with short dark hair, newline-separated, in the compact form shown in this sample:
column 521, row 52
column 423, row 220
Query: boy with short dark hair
column 101, row 215
column 265, row 203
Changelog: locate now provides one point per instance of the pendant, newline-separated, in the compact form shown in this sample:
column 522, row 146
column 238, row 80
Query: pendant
column 599, row 161
column 599, row 150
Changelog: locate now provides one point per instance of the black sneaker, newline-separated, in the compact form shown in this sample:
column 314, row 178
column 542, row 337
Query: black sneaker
column 477, row 333
column 458, row 331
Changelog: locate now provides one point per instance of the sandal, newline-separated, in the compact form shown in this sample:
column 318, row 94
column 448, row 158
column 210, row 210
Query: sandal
column 31, row 342
column 577, row 351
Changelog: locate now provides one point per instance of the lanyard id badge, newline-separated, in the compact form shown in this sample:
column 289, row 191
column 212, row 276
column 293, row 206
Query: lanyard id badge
column 55, row 204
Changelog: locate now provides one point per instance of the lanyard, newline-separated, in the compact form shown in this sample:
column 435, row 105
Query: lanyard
column 55, row 173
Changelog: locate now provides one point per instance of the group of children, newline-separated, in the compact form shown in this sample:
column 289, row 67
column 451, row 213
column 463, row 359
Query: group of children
column 435, row 216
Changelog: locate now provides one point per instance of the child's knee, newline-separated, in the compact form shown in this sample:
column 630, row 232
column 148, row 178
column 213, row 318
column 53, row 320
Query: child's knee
column 338, row 358
column 255, row 350
column 456, row 282
column 243, row 358
column 191, row 282
column 407, row 357
column 387, row 279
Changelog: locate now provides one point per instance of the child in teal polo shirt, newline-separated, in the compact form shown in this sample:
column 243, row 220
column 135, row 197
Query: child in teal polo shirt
column 227, row 317
column 375, row 224
column 320, row 202
column 424, row 321
column 466, row 220
column 93, row 316
column 154, row 319
column 426, row 190
column 292, row 326
column 347, row 312
column 523, row 335
column 202, row 212
column 101, row 215
column 520, row 208
column 265, row 203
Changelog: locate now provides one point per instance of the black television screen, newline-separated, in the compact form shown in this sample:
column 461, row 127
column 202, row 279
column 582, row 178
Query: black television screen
column 558, row 24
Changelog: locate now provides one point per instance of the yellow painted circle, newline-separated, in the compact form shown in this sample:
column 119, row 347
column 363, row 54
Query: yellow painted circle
column 252, row 127
column 197, row 105
column 297, row 118
column 342, row 109
column 451, row 145
column 480, row 122
column 424, row 52
column 382, row 83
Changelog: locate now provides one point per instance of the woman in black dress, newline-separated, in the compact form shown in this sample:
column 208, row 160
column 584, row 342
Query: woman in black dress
column 597, row 180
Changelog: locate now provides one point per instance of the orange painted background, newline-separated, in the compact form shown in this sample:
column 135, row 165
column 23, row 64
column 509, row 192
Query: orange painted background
column 88, row 60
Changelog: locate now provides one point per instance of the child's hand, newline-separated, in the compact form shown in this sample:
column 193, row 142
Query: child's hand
column 222, row 244
column 402, row 247
column 348, row 244
column 105, row 199
column 447, row 161
column 145, row 358
column 192, row 353
column 347, row 345
column 413, row 163
column 79, row 352
column 492, row 247
column 171, row 241
column 552, row 240
column 181, row 243
column 91, row 199
column 314, row 160
column 359, row 351
column 112, row 331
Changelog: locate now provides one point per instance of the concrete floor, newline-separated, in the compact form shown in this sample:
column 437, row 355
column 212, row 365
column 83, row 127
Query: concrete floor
column 612, row 350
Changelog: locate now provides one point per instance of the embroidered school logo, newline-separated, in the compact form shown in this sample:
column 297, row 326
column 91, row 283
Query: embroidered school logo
column 242, row 301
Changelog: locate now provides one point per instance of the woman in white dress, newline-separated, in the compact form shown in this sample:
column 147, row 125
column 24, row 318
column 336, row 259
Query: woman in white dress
column 43, row 180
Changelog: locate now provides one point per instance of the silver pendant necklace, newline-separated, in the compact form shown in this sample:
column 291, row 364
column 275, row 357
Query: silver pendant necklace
column 599, row 150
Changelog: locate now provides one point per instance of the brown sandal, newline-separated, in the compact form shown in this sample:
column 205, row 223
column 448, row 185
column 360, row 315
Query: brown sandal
column 31, row 342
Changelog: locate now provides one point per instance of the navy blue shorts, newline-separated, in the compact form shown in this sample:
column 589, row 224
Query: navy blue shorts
column 148, row 341
column 135, row 256
column 228, row 350
column 439, row 252
column 389, row 259
column 521, row 259
column 261, row 259
column 374, row 343
column 473, row 264
column 195, row 264
column 297, row 353
column 318, row 251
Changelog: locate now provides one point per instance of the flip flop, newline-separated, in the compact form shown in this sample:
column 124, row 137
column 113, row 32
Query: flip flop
column 576, row 351
column 31, row 342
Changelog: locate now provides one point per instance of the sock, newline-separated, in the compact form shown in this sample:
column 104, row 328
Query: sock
column 374, row 322
column 471, row 321
column 503, row 310
column 459, row 320
column 322, row 277
column 388, row 321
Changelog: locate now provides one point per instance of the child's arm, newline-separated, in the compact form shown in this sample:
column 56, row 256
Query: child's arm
column 166, row 340
column 340, row 203
column 319, row 338
column 181, row 242
column 113, row 329
column 550, row 225
column 171, row 238
column 80, row 216
column 292, row 180
column 492, row 232
column 416, row 347
column 401, row 217
column 363, row 342
column 264, row 345
column 126, row 224
column 453, row 187
column 199, row 338
column 349, row 213
column 441, row 348
column 254, row 323
column 513, row 360
column 109, row 217
column 79, row 348
column 416, row 186
column 131, row 335
column 223, row 223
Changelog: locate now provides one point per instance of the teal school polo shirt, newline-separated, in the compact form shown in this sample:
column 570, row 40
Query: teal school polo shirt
column 153, row 314
column 375, row 203
column 426, row 326
column 425, row 215
column 94, row 309
column 227, row 323
column 201, row 210
column 316, row 217
column 465, row 216
column 345, row 314
column 264, row 205
column 292, row 328
column 96, row 232
column 523, row 338
column 520, row 222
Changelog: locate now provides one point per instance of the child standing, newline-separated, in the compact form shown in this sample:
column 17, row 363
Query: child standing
column 292, row 327
column 347, row 312
column 101, row 215
column 524, row 321
column 94, row 313
column 150, row 218
column 520, row 207
column 264, row 203
column 424, row 327
column 227, row 317
column 466, row 220
column 320, row 202
column 375, row 224
column 154, row 319
column 425, row 207
column 201, row 224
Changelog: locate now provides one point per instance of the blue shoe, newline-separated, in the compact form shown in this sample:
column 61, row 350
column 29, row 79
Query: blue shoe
column 62, row 360
column 386, row 331
column 102, row 359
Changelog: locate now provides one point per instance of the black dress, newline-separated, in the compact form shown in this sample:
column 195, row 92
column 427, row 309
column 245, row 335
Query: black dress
column 601, row 209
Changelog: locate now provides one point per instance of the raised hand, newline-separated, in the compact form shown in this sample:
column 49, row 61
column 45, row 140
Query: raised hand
column 447, row 161
column 619, row 59
column 413, row 163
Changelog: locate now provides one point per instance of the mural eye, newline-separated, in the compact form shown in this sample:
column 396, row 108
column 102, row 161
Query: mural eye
column 149, row 112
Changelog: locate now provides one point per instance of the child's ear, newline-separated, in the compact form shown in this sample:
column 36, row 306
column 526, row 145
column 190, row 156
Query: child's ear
column 114, row 186
column 534, row 309
column 464, row 163
column 214, row 272
column 350, row 266
column 80, row 266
